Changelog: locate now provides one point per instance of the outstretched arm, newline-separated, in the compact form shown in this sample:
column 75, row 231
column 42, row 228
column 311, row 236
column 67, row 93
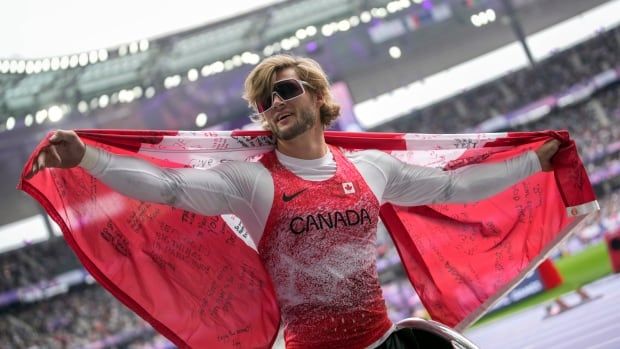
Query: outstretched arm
column 208, row 192
column 411, row 185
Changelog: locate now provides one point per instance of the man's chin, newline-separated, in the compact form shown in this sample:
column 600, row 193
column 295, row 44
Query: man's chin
column 290, row 130
column 288, row 134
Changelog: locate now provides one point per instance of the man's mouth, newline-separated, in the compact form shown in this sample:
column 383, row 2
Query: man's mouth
column 283, row 116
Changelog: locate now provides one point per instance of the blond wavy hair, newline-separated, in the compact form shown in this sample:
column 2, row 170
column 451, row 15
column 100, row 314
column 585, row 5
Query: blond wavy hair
column 259, row 82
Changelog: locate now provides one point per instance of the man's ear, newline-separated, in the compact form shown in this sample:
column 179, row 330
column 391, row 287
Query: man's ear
column 319, row 100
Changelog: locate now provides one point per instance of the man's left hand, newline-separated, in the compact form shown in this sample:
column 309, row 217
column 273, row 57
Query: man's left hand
column 546, row 152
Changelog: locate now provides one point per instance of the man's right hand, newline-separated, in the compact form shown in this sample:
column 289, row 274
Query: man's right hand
column 65, row 150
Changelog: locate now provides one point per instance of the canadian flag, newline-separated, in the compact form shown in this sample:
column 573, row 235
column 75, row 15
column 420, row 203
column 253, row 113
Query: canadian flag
column 455, row 286
column 348, row 188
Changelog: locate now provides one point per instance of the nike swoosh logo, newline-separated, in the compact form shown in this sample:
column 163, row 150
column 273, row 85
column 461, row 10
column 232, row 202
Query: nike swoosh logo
column 287, row 198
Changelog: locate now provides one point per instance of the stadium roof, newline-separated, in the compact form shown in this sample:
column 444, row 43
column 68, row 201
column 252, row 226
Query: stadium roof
column 37, row 28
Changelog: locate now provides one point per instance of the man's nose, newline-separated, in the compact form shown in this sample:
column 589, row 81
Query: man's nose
column 277, row 100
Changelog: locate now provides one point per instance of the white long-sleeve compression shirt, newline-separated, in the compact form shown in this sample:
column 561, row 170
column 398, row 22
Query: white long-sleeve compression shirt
column 245, row 189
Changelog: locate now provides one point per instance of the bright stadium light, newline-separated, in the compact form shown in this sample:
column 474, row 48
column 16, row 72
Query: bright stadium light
column 237, row 61
column 294, row 41
column 126, row 96
column 311, row 30
column 13, row 67
column 327, row 30
column 64, row 62
column 246, row 57
column 83, row 59
column 354, row 21
column 102, row 54
column 228, row 65
column 40, row 116
column 10, row 123
column 55, row 64
column 122, row 51
column 82, row 107
column 217, row 67
column 21, row 67
column 28, row 120
column 137, row 92
column 73, row 61
column 38, row 66
column 46, row 64
column 491, row 15
column 55, row 113
column 268, row 50
column 344, row 25
column 4, row 67
column 365, row 17
column 475, row 20
column 149, row 92
column 93, row 57
column 378, row 12
column 395, row 52
column 169, row 82
column 254, row 59
column 144, row 45
column 393, row 6
column 201, row 119
column 206, row 70
column 133, row 47
column 286, row 44
column 192, row 74
column 104, row 100
column 483, row 18
column 301, row 34
column 29, row 67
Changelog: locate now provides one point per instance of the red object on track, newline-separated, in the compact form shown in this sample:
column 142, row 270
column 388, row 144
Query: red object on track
column 549, row 274
column 613, row 247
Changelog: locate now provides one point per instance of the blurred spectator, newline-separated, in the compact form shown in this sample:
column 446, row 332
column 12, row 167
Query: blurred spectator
column 31, row 264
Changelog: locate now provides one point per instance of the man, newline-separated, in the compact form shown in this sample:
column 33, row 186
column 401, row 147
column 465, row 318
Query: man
column 316, row 242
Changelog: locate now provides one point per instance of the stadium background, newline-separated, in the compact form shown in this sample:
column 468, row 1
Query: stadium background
column 440, row 66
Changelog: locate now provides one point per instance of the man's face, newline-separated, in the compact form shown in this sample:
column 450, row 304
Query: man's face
column 289, row 119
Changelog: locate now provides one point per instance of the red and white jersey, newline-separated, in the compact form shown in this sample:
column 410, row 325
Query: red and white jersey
column 319, row 249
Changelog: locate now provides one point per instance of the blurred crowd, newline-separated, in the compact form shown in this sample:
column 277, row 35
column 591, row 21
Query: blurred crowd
column 89, row 315
column 594, row 125
column 25, row 267
column 72, row 320
column 513, row 91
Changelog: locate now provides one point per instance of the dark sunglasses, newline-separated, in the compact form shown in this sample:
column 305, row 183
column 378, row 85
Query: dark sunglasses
column 286, row 89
